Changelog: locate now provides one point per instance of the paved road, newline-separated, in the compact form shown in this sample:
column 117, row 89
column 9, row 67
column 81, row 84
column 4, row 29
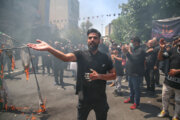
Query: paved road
column 61, row 102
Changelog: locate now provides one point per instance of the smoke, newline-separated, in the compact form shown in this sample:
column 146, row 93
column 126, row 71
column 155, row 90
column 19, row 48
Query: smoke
column 17, row 19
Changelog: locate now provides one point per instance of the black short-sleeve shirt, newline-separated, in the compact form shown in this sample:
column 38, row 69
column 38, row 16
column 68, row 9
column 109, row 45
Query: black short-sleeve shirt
column 93, row 91
column 174, row 63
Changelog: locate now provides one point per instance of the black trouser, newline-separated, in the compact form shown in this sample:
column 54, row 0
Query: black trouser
column 59, row 72
column 156, row 76
column 150, row 81
column 100, row 109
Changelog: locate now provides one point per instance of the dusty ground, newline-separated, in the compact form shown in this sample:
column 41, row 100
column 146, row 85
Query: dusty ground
column 61, row 102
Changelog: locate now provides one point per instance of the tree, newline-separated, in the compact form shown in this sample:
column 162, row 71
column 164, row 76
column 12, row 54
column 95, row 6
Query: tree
column 139, row 15
column 122, row 30
column 84, row 28
column 72, row 34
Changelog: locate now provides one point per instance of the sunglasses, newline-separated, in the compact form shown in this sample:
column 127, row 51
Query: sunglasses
column 92, row 37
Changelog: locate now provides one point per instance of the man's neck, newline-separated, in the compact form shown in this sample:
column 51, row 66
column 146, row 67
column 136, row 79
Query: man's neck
column 94, row 52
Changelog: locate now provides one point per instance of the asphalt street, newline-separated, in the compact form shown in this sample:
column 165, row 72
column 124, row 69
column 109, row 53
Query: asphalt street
column 61, row 102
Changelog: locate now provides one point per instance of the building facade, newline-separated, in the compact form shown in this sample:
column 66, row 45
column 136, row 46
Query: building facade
column 64, row 13
column 108, row 29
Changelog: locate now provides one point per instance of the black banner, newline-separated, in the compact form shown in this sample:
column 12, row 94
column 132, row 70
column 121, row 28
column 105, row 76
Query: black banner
column 166, row 28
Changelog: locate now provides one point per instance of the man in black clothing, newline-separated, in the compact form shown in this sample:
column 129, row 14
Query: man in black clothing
column 136, row 58
column 151, row 59
column 58, row 67
column 172, row 80
column 94, row 69
column 103, row 48
column 117, row 60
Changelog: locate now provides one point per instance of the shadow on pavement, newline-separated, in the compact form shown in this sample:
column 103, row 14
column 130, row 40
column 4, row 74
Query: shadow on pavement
column 67, row 84
column 152, row 110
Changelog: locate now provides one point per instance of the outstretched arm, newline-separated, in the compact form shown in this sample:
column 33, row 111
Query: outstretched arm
column 162, row 47
column 43, row 46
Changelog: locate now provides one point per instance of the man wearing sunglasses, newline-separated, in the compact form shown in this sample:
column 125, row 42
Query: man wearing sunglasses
column 94, row 69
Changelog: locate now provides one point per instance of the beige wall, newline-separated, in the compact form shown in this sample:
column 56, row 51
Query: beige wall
column 108, row 30
column 63, row 12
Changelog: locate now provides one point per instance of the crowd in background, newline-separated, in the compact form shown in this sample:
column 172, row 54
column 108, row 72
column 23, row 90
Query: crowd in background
column 134, row 61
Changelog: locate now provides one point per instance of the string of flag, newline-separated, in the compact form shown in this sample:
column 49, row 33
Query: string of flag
column 86, row 18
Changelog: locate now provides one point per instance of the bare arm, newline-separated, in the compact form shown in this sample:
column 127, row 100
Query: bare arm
column 43, row 46
column 69, row 57
column 118, row 58
column 162, row 47
column 160, row 55
column 174, row 72
column 108, row 76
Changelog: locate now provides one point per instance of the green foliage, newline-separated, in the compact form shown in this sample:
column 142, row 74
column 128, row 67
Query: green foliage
column 72, row 34
column 137, row 15
column 77, row 35
column 84, row 28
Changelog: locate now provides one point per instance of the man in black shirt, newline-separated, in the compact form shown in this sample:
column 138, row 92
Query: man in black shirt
column 136, row 58
column 117, row 60
column 151, row 60
column 172, row 80
column 94, row 68
column 103, row 48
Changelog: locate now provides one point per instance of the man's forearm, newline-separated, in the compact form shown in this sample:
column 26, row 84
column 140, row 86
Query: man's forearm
column 160, row 55
column 108, row 76
column 178, row 71
column 57, row 53
column 118, row 58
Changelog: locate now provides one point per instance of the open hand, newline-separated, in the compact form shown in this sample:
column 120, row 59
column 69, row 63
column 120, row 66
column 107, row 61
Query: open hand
column 42, row 46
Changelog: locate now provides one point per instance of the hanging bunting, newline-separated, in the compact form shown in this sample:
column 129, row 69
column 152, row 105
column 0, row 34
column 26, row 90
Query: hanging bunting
column 87, row 18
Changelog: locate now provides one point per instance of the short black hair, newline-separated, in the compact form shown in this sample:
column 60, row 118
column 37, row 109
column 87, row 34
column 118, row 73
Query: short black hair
column 92, row 30
column 136, row 39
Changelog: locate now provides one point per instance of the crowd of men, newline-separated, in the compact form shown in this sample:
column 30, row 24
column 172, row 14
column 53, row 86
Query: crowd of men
column 143, row 61
column 135, row 60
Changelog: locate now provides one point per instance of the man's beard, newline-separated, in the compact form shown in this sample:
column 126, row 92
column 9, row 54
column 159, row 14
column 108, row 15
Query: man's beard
column 92, row 47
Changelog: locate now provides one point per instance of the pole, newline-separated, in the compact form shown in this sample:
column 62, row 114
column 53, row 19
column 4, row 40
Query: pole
column 38, row 88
